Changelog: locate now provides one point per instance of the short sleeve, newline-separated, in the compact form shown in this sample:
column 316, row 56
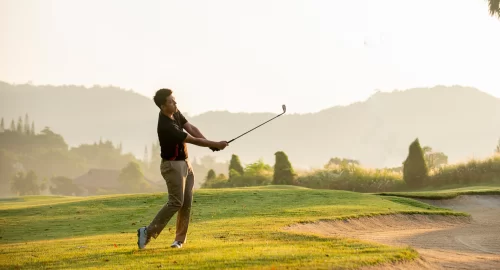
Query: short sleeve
column 182, row 119
column 178, row 135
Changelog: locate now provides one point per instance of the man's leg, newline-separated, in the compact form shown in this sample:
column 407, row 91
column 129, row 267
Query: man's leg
column 174, row 173
column 183, row 215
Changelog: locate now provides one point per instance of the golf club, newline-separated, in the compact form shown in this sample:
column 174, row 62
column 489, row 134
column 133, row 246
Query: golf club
column 284, row 110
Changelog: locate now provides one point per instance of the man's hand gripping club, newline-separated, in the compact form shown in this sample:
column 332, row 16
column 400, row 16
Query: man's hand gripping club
column 214, row 146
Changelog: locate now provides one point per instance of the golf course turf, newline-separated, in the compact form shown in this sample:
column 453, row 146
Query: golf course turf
column 230, row 228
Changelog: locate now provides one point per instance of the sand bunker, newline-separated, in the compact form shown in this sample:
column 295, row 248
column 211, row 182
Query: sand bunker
column 444, row 242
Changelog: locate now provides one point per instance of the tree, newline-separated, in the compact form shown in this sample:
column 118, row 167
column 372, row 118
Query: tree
column 208, row 161
column 131, row 178
column 210, row 175
column 12, row 125
column 283, row 171
column 434, row 159
column 104, row 155
column 155, row 161
column 258, row 168
column 497, row 149
column 54, row 140
column 215, row 182
column 33, row 128
column 494, row 7
column 44, row 185
column 146, row 156
column 25, row 184
column 235, row 167
column 26, row 127
column 7, row 160
column 415, row 171
column 2, row 128
column 426, row 149
column 62, row 185
column 333, row 162
column 19, row 127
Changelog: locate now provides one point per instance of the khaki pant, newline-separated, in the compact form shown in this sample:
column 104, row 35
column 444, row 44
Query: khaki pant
column 179, row 177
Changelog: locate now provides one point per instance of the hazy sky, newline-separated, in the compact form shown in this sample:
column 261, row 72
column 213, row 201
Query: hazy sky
column 252, row 55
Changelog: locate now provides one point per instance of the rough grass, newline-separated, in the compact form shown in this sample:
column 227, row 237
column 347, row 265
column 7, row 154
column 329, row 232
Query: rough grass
column 441, row 194
column 231, row 228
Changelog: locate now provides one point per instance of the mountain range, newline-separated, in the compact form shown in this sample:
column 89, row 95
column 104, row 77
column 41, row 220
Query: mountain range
column 463, row 122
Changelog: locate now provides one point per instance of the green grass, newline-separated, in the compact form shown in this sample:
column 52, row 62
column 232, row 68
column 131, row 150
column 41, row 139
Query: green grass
column 449, row 193
column 231, row 228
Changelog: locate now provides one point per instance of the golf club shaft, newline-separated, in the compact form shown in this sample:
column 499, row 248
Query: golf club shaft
column 284, row 110
column 256, row 127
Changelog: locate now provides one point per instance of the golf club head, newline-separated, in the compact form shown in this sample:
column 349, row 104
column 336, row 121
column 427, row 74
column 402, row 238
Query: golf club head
column 284, row 108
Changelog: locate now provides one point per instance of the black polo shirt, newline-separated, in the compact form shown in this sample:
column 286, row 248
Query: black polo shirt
column 171, row 136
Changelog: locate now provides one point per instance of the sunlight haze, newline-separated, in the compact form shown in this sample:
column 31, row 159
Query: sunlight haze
column 252, row 56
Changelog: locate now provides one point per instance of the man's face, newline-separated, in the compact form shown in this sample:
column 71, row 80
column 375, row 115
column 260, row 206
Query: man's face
column 170, row 105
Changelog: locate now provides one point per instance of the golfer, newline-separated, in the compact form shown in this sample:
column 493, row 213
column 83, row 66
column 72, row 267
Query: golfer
column 175, row 168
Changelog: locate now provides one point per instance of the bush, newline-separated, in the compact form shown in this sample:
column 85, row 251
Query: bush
column 352, row 177
column 220, row 181
column 249, row 181
column 469, row 173
column 254, row 174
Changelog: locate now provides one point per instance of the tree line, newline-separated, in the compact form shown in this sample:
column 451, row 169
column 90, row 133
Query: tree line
column 41, row 162
column 253, row 174
column 21, row 126
column 423, row 167
column 34, row 162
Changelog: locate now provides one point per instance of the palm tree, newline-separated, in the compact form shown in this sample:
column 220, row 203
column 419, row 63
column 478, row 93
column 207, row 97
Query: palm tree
column 494, row 7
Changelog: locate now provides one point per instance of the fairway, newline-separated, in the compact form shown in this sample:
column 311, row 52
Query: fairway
column 231, row 228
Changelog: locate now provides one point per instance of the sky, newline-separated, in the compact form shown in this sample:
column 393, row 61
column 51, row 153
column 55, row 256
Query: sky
column 252, row 56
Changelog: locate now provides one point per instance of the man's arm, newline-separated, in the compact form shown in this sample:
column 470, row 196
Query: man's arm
column 204, row 142
column 193, row 131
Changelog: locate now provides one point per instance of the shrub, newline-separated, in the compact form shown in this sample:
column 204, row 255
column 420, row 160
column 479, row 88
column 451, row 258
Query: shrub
column 220, row 181
column 468, row 173
column 352, row 177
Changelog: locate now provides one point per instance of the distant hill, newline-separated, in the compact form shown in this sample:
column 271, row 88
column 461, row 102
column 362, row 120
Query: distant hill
column 462, row 122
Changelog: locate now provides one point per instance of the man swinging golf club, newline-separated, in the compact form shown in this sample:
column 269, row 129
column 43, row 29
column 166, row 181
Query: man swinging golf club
column 175, row 168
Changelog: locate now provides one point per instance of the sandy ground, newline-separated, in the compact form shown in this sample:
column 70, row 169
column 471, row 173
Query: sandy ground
column 443, row 242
